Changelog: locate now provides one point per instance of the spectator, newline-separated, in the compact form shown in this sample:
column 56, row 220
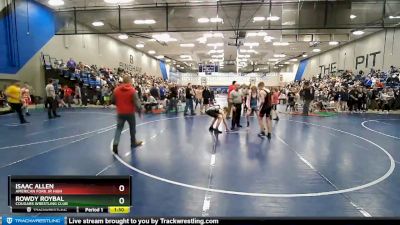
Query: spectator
column 150, row 103
column 78, row 94
column 206, row 95
column 67, row 95
column 2, row 99
column 13, row 93
column 155, row 92
column 71, row 65
column 128, row 103
column 230, row 89
column 199, row 97
column 308, row 95
column 173, row 98
column 189, row 94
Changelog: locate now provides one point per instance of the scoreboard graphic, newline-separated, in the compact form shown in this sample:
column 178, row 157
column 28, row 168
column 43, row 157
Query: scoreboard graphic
column 74, row 194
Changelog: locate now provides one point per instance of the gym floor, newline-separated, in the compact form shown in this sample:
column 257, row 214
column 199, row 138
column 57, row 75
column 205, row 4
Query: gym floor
column 339, row 166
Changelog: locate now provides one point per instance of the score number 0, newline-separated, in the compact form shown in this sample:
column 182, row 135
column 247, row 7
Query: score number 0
column 121, row 200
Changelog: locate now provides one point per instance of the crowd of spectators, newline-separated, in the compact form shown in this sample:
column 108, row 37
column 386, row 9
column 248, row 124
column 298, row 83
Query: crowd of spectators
column 360, row 92
column 96, row 86
column 375, row 90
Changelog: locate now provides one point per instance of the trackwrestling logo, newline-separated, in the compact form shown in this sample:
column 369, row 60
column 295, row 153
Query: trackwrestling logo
column 20, row 220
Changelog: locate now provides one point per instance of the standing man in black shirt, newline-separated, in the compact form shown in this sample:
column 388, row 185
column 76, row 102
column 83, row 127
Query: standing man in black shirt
column 189, row 93
column 353, row 98
column 173, row 98
column 308, row 95
column 206, row 98
column 51, row 100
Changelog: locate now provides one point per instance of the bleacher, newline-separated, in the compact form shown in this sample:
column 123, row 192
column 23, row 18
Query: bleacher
column 62, row 76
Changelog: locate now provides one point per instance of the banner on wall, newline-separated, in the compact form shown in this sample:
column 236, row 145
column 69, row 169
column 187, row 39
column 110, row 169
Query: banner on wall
column 163, row 69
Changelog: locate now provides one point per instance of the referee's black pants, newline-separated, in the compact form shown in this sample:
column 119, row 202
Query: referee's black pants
column 236, row 115
column 51, row 106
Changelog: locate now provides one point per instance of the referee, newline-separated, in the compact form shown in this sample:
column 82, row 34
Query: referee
column 51, row 100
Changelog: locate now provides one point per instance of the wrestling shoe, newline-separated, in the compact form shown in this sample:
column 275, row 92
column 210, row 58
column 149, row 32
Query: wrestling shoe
column 136, row 144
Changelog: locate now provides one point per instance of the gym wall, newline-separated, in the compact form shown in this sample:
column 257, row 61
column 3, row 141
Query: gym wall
column 2, row 4
column 379, row 51
column 90, row 49
column 20, row 57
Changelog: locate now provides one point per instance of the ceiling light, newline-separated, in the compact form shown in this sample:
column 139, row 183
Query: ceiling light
column 394, row 17
column 98, row 24
column 279, row 55
column 289, row 23
column 167, row 60
column 280, row 65
column 188, row 45
column 163, row 38
column 304, row 55
column 262, row 34
column 258, row 19
column 123, row 36
column 160, row 57
column 273, row 60
column 251, row 44
column 286, row 63
column 203, row 20
column 293, row 60
column 139, row 45
column 257, row 34
column 150, row 21
column 118, row 1
column 217, row 56
column 352, row 16
column 358, row 32
column 248, row 51
column 184, row 56
column 268, row 38
column 215, row 51
column 56, row 2
column 215, row 44
column 280, row 43
column 216, row 20
column 273, row 18
column 152, row 52
column 213, row 35
column 316, row 50
column 333, row 43
column 202, row 40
